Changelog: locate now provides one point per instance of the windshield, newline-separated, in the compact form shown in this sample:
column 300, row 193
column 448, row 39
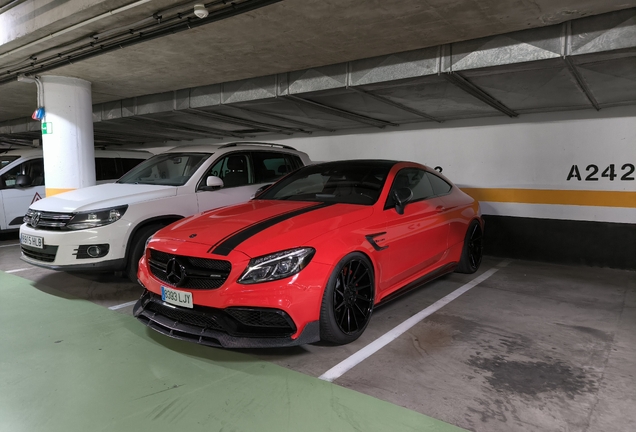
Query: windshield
column 170, row 169
column 6, row 160
column 350, row 182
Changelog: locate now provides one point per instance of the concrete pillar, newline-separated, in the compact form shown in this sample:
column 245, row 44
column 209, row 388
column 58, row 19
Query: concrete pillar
column 67, row 134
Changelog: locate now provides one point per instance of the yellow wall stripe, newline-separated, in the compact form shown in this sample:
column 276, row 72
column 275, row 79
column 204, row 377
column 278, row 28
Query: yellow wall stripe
column 52, row 191
column 563, row 197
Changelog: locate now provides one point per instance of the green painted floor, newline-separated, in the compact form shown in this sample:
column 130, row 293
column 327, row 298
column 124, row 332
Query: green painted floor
column 70, row 365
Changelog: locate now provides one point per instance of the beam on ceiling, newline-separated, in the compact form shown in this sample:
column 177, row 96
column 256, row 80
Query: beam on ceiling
column 174, row 129
column 194, row 128
column 281, row 118
column 148, row 136
column 470, row 88
column 581, row 84
column 395, row 104
column 342, row 113
column 241, row 122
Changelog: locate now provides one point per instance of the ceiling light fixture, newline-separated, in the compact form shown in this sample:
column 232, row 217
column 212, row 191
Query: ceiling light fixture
column 200, row 10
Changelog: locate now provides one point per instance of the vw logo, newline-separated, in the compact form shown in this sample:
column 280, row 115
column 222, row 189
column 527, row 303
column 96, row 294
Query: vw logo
column 175, row 273
column 35, row 219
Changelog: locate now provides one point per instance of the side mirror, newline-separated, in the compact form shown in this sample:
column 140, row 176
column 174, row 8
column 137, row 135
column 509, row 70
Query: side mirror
column 212, row 183
column 260, row 190
column 23, row 180
column 401, row 197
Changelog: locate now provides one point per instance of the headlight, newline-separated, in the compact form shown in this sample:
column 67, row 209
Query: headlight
column 97, row 218
column 278, row 265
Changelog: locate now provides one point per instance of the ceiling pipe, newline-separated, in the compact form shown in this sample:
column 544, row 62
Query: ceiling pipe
column 74, row 27
column 102, row 48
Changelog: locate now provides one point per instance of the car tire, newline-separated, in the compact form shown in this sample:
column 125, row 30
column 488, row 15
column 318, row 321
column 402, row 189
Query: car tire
column 348, row 299
column 473, row 249
column 136, row 249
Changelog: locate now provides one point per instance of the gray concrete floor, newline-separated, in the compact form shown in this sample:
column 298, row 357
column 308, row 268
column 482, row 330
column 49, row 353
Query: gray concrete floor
column 536, row 347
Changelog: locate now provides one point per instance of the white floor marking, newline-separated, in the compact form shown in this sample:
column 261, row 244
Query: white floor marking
column 341, row 368
column 14, row 244
column 18, row 270
column 123, row 305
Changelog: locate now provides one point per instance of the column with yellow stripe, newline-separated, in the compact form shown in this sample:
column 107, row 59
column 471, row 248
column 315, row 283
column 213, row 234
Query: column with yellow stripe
column 67, row 134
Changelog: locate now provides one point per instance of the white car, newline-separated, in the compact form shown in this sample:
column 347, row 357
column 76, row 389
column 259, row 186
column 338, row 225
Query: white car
column 22, row 178
column 105, row 227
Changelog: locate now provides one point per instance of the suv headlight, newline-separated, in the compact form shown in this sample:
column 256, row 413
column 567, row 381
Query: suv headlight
column 96, row 218
column 278, row 265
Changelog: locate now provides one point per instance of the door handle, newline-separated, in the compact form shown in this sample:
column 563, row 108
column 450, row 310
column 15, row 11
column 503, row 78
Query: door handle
column 440, row 209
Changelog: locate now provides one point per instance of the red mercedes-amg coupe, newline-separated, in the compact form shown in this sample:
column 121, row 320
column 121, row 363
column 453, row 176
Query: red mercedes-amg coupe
column 309, row 257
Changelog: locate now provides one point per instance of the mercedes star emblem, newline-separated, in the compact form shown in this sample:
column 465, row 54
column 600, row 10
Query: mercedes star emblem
column 175, row 273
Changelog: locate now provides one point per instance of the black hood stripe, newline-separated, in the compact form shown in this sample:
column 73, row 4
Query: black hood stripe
column 229, row 243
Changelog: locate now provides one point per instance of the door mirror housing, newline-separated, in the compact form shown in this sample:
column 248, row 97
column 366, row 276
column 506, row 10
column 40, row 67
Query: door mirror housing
column 261, row 190
column 212, row 183
column 23, row 180
column 401, row 196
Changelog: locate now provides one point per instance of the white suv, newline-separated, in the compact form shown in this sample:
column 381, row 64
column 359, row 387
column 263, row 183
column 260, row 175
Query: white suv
column 105, row 227
column 22, row 178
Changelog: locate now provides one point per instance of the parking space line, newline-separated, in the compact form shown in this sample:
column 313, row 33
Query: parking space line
column 341, row 368
column 18, row 270
column 123, row 305
column 13, row 244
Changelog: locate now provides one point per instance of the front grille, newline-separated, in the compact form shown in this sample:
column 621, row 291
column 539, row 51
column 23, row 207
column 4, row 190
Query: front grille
column 198, row 273
column 47, row 254
column 49, row 221
column 186, row 317
column 259, row 318
column 200, row 320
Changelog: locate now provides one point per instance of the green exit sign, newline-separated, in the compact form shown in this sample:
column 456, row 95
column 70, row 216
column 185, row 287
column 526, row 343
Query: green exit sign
column 47, row 128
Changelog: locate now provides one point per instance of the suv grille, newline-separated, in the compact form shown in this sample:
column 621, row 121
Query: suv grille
column 188, row 272
column 47, row 220
column 47, row 254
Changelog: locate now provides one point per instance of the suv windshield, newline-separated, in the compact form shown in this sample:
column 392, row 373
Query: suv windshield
column 350, row 182
column 6, row 160
column 170, row 169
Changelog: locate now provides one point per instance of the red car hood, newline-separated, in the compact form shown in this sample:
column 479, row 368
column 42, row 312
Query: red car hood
column 260, row 227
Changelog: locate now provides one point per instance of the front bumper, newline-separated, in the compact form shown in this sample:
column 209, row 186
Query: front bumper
column 219, row 328
column 60, row 251
column 298, row 297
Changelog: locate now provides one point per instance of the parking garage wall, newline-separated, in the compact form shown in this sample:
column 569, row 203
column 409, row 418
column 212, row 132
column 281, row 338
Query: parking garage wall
column 552, row 186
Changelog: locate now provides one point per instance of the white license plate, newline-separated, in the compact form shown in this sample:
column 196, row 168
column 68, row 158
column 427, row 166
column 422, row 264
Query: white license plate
column 33, row 241
column 177, row 298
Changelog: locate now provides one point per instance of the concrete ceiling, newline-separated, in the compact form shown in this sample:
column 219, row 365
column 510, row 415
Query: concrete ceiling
column 303, row 35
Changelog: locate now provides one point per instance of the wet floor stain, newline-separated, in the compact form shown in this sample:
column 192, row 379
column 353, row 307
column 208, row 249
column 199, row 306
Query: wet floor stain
column 530, row 378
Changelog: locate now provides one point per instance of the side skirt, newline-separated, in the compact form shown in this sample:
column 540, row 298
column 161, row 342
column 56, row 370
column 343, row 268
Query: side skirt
column 445, row 269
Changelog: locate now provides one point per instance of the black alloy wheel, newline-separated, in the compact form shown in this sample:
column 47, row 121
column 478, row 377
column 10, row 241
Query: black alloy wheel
column 348, row 300
column 473, row 249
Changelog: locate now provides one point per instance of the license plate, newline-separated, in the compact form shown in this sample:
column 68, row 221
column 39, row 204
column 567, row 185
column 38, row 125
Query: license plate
column 33, row 241
column 177, row 298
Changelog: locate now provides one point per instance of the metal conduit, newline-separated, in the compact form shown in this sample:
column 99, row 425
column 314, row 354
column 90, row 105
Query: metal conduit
column 174, row 24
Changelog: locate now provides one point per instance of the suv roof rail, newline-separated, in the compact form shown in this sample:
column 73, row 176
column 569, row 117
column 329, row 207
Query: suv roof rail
column 235, row 144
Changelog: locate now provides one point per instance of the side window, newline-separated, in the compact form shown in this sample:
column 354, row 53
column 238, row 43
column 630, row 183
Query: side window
column 440, row 187
column 106, row 169
column 414, row 179
column 233, row 169
column 33, row 168
column 128, row 163
column 294, row 161
column 270, row 166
